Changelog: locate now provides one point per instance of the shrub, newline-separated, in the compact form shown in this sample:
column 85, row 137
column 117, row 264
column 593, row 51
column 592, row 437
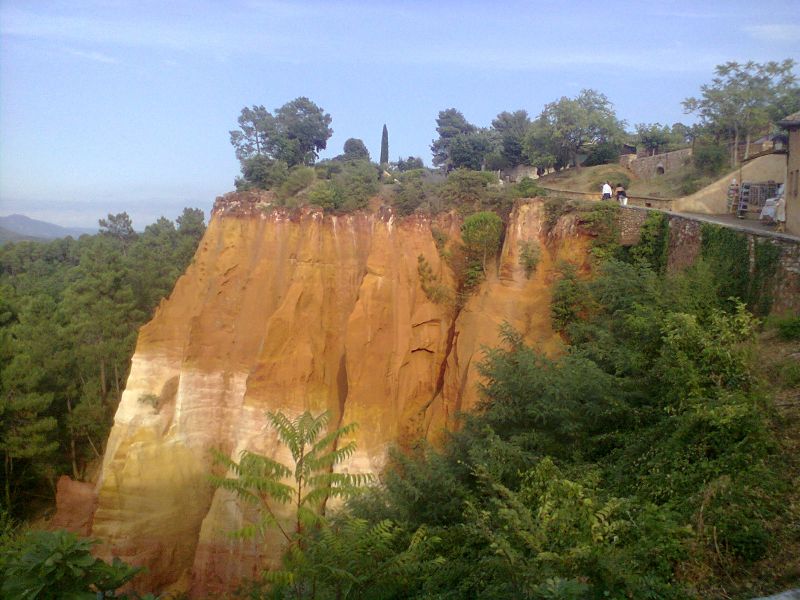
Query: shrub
column 261, row 172
column 788, row 328
column 299, row 179
column 529, row 255
column 325, row 195
column 709, row 158
column 602, row 154
column 57, row 564
column 567, row 298
column 528, row 188
column 410, row 192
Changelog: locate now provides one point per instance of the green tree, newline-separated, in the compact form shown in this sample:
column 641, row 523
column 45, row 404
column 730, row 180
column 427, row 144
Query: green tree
column 119, row 227
column 410, row 164
column 264, row 143
column 450, row 124
column 512, row 128
column 742, row 97
column 302, row 130
column 305, row 486
column 470, row 151
column 384, row 146
column 574, row 124
column 253, row 138
column 481, row 233
column 653, row 136
column 354, row 149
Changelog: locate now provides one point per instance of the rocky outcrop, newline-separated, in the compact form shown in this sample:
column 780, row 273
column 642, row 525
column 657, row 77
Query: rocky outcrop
column 296, row 310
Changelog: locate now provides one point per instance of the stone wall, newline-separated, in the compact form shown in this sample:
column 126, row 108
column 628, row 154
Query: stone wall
column 630, row 224
column 651, row 166
column 685, row 243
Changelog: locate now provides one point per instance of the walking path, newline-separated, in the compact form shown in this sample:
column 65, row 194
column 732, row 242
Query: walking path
column 665, row 205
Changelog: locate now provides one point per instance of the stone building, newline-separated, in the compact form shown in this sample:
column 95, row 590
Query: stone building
column 792, row 124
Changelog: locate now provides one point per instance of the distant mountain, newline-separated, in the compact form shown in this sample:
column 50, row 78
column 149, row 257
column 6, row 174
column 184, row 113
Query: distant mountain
column 19, row 227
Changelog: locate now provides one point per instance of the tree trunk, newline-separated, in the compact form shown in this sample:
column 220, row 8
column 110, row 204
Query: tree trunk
column 735, row 152
column 103, row 387
column 747, row 146
column 72, row 451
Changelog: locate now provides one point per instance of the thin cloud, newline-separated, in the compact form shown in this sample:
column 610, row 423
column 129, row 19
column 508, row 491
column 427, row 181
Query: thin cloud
column 779, row 32
column 93, row 56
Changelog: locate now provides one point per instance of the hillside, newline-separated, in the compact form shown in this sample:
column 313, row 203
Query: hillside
column 19, row 227
column 674, row 184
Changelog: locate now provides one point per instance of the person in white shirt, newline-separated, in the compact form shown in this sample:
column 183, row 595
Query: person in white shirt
column 607, row 191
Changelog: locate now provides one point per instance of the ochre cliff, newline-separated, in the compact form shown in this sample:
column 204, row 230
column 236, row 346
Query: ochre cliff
column 296, row 310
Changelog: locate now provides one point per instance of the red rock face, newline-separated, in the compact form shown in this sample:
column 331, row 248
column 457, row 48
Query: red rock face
column 75, row 506
column 291, row 311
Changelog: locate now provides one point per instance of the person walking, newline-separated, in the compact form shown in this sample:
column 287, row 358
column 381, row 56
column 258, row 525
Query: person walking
column 606, row 191
column 621, row 194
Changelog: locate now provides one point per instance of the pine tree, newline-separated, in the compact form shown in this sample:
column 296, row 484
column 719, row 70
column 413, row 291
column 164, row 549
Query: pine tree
column 385, row 146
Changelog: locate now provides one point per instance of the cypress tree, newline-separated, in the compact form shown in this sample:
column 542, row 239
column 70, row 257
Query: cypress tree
column 385, row 146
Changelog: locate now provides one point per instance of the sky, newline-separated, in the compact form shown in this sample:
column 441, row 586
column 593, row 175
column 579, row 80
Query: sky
column 113, row 105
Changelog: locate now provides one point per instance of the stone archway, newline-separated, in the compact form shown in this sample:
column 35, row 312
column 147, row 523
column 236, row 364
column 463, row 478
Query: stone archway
column 660, row 170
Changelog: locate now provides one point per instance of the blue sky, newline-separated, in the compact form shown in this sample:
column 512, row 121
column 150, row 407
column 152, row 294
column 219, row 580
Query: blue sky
column 112, row 105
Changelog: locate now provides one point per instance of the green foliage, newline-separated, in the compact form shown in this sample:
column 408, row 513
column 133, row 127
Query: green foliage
column 741, row 99
column 482, row 233
column 567, row 297
column 601, row 222
column 261, row 172
column 467, row 189
column 511, row 129
column 708, row 158
column 728, row 254
column 529, row 255
column 451, row 126
column 354, row 149
column 410, row 193
column 69, row 315
column 434, row 289
column 602, row 154
column 653, row 137
column 603, row 472
column 567, row 127
column 260, row 481
column 352, row 558
column 298, row 179
column 349, row 187
column 384, row 146
column 788, row 328
column 528, row 188
column 58, row 565
column 410, row 164
column 267, row 145
column 653, row 246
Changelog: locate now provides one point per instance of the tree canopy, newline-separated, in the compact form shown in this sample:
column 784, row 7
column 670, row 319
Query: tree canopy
column 294, row 135
column 569, row 126
column 354, row 149
column 743, row 98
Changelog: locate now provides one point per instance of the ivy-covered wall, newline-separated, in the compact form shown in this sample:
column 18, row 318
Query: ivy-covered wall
column 761, row 269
